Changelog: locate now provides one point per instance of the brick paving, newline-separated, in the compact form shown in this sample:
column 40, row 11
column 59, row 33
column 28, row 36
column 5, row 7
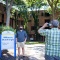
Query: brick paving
column 32, row 52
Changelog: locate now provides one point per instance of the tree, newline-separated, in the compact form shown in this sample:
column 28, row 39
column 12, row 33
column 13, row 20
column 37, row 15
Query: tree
column 9, row 4
column 54, row 6
column 35, row 4
column 23, row 13
column 8, row 8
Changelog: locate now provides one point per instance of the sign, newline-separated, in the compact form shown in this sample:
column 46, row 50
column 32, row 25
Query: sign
column 7, row 40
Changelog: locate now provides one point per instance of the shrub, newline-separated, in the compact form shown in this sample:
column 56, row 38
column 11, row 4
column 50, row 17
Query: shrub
column 6, row 28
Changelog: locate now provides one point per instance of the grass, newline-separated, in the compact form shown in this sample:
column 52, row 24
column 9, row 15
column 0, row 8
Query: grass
column 34, row 42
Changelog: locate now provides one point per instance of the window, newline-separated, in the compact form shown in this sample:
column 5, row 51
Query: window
column 47, row 14
column 2, row 18
column 47, row 20
column 32, row 27
column 42, row 14
column 22, row 22
column 29, row 20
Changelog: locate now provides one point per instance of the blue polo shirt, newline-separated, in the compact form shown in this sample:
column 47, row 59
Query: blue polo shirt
column 21, row 35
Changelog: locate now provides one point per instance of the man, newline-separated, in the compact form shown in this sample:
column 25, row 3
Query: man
column 21, row 37
column 52, row 40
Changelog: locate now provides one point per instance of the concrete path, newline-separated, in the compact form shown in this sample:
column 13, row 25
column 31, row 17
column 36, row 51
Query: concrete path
column 32, row 52
column 35, row 52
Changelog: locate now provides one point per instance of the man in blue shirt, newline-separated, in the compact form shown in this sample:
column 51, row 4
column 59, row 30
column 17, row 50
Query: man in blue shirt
column 52, row 40
column 21, row 37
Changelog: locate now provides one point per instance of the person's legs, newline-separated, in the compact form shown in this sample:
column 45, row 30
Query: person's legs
column 18, row 51
column 47, row 57
column 23, row 49
column 18, row 45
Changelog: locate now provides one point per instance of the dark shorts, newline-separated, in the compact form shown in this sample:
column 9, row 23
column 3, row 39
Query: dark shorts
column 47, row 57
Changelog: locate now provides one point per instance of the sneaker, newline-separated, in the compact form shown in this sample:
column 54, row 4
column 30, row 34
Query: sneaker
column 23, row 56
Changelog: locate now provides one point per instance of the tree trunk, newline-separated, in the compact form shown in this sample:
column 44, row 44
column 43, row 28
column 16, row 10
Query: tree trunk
column 8, row 7
column 53, row 13
column 8, row 17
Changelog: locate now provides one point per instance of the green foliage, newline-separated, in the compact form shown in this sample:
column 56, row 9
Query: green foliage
column 54, row 4
column 19, row 2
column 59, row 18
column 0, row 29
column 6, row 28
column 35, row 42
column 54, row 7
column 16, row 2
column 49, row 10
column 35, row 3
column 23, row 13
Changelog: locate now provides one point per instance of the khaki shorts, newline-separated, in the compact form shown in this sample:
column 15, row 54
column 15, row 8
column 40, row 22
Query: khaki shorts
column 20, row 44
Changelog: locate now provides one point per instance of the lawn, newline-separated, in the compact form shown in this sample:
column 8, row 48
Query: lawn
column 34, row 42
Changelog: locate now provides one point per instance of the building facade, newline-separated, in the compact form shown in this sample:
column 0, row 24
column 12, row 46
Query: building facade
column 43, row 17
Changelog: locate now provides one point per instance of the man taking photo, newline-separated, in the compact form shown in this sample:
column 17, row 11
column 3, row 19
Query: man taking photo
column 52, row 40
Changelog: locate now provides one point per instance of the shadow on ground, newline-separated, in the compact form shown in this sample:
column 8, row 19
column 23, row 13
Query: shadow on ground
column 8, row 56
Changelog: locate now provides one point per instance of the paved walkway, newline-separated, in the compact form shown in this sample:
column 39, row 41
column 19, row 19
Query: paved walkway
column 32, row 52
column 35, row 52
